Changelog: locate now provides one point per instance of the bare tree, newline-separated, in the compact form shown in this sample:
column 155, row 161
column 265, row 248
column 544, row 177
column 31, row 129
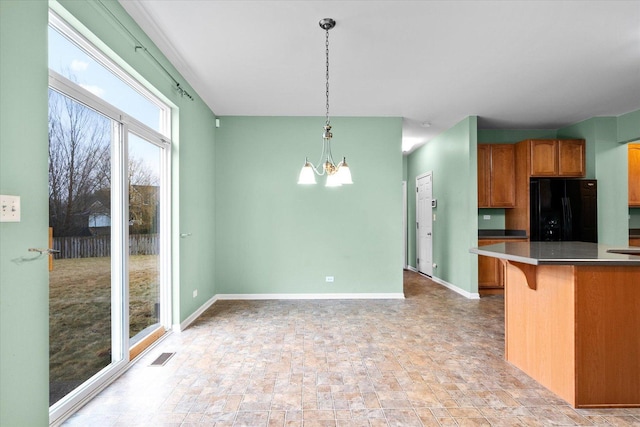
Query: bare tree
column 79, row 162
column 143, row 197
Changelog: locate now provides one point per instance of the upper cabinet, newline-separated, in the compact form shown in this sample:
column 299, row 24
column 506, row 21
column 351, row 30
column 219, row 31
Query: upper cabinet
column 496, row 176
column 634, row 175
column 557, row 157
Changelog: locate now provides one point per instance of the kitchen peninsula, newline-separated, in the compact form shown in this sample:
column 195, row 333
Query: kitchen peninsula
column 572, row 318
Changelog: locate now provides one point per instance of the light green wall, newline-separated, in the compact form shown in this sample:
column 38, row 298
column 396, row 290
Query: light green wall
column 634, row 217
column 628, row 127
column 502, row 136
column 452, row 157
column 24, row 290
column 275, row 236
column 24, row 368
column 495, row 221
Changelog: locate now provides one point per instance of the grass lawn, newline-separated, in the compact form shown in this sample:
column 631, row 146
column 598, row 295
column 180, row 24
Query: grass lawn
column 80, row 316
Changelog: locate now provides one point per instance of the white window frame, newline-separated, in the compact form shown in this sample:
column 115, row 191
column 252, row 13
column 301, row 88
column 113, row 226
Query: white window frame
column 123, row 124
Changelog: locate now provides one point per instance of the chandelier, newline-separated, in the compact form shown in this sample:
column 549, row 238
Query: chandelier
column 337, row 174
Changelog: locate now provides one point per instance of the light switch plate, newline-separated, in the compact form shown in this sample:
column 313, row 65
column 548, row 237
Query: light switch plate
column 9, row 208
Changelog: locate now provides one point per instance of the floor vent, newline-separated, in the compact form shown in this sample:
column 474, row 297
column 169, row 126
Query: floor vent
column 162, row 359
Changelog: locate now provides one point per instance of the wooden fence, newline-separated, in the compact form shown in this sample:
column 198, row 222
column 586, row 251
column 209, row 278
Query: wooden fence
column 100, row 246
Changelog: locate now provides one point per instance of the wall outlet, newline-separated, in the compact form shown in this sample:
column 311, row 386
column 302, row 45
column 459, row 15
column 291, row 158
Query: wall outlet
column 195, row 293
column 9, row 208
column 487, row 217
column 328, row 279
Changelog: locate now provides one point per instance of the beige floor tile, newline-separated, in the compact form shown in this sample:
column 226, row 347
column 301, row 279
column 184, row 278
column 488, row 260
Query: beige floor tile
column 432, row 359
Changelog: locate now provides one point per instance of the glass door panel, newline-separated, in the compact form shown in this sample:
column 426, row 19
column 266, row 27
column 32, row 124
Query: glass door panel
column 144, row 169
column 80, row 280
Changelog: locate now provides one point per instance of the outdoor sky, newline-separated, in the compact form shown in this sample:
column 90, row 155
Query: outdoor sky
column 70, row 61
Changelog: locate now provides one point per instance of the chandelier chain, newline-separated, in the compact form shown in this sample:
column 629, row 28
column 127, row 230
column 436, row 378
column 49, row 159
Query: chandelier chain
column 327, row 74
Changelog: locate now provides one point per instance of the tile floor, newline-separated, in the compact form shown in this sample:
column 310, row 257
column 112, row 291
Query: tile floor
column 433, row 359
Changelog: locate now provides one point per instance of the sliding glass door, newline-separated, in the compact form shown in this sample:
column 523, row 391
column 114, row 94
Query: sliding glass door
column 81, row 285
column 145, row 236
column 109, row 214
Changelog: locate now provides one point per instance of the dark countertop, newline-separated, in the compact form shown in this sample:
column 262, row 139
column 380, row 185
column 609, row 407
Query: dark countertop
column 502, row 234
column 634, row 233
column 558, row 253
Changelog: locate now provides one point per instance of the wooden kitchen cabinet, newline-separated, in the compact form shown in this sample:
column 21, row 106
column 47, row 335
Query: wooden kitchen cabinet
column 484, row 177
column 544, row 157
column 634, row 175
column 557, row 158
column 496, row 176
column 571, row 158
column 634, row 241
column 490, row 277
column 491, row 273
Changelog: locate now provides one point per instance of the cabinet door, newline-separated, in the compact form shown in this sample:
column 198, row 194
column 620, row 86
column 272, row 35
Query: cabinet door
column 503, row 176
column 489, row 269
column 484, row 170
column 544, row 157
column 571, row 160
column 634, row 175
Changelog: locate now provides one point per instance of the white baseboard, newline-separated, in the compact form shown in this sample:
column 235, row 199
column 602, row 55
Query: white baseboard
column 309, row 296
column 456, row 289
column 189, row 320
column 448, row 285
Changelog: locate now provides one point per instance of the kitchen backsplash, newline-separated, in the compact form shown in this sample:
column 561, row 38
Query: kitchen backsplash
column 634, row 217
column 490, row 219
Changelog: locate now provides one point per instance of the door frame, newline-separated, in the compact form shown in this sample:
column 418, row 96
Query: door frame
column 405, row 229
column 429, row 269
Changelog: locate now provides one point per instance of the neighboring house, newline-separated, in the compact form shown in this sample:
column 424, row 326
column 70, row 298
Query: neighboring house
column 143, row 211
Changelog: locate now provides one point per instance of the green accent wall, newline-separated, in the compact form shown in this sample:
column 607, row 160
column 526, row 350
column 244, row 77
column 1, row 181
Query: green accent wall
column 511, row 136
column 495, row 221
column 24, row 290
column 452, row 157
column 628, row 127
column 274, row 236
column 634, row 217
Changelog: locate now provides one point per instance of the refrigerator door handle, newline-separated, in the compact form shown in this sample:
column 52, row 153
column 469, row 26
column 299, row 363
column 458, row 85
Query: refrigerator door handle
column 568, row 219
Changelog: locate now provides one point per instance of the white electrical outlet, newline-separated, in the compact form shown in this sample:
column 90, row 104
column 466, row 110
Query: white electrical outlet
column 9, row 208
column 328, row 279
column 486, row 217
column 195, row 293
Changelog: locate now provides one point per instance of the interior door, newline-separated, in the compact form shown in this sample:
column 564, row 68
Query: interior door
column 424, row 223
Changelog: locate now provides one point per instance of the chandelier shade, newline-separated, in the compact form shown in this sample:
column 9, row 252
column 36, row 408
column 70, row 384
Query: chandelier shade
column 337, row 174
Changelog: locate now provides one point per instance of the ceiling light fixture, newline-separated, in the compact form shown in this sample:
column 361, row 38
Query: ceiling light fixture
column 336, row 174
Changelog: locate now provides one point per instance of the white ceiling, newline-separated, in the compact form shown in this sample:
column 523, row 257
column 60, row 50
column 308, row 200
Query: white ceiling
column 515, row 64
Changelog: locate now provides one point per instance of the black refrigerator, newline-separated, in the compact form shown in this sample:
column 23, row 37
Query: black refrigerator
column 564, row 209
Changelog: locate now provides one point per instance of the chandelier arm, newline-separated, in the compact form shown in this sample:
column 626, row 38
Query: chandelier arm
column 315, row 169
column 319, row 168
